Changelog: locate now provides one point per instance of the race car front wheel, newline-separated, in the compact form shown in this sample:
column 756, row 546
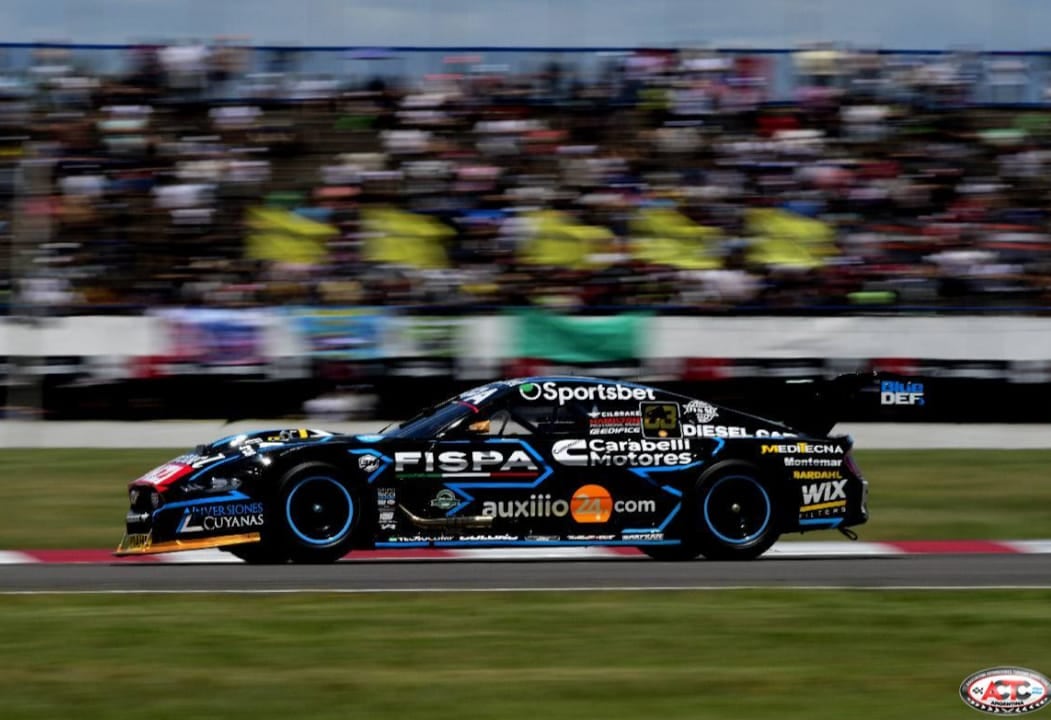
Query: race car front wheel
column 316, row 513
column 736, row 517
column 311, row 518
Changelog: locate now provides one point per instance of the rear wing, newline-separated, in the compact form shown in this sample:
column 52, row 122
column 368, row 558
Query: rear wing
column 814, row 406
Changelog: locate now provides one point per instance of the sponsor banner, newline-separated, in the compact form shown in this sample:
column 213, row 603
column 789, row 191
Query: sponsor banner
column 214, row 337
column 342, row 333
column 803, row 448
column 816, row 474
column 414, row 336
column 386, row 500
column 792, row 461
column 824, row 499
column 833, row 491
column 596, row 452
column 537, row 505
column 590, row 505
column 445, row 500
column 700, row 412
column 716, row 431
column 221, row 518
column 895, row 392
column 498, row 462
column 563, row 393
column 614, row 422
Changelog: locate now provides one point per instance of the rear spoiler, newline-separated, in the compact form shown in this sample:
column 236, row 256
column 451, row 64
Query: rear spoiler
column 814, row 406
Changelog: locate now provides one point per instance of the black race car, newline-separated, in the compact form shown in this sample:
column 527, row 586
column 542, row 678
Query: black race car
column 544, row 461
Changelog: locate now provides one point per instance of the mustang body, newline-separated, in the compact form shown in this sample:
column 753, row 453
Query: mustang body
column 545, row 461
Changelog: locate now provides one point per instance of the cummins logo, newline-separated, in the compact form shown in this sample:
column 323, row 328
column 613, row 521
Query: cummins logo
column 622, row 453
column 566, row 393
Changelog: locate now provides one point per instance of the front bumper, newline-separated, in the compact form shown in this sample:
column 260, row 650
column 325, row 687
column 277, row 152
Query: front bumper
column 142, row 543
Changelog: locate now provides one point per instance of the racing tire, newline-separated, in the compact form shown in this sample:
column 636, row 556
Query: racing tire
column 671, row 553
column 735, row 515
column 259, row 553
column 313, row 517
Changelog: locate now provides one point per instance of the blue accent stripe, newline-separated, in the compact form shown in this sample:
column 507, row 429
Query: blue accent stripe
column 827, row 522
column 233, row 496
column 644, row 473
column 660, row 528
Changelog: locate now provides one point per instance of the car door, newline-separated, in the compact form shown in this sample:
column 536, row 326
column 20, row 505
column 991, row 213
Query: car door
column 607, row 455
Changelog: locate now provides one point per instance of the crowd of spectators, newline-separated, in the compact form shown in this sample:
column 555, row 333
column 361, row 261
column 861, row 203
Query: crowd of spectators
column 136, row 189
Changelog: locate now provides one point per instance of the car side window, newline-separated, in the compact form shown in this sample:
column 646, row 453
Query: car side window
column 544, row 419
column 503, row 423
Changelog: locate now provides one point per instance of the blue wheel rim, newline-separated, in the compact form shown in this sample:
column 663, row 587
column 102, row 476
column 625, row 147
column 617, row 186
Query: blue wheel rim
column 747, row 490
column 313, row 510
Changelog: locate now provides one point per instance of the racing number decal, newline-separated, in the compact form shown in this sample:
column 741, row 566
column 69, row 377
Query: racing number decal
column 660, row 420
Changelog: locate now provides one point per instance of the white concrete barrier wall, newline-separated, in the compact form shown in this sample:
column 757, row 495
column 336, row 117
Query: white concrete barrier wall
column 489, row 338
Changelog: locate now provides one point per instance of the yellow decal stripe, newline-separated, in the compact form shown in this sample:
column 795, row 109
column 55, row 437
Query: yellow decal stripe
column 823, row 506
column 178, row 545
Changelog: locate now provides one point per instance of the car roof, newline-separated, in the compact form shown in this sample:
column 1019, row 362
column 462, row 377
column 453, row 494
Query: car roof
column 579, row 379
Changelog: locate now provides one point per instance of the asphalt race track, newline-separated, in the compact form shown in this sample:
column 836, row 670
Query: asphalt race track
column 915, row 571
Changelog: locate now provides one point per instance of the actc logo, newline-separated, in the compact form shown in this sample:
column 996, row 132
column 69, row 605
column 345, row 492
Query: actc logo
column 893, row 392
column 1006, row 690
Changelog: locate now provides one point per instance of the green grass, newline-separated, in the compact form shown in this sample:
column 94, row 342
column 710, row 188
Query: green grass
column 76, row 498
column 725, row 654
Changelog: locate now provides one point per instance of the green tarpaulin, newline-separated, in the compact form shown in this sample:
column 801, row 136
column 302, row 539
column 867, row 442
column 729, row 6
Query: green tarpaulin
column 578, row 339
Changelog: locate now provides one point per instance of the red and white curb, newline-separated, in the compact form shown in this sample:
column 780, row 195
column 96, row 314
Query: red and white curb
column 780, row 550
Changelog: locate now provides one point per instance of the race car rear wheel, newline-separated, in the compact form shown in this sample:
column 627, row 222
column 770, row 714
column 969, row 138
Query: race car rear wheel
column 736, row 514
column 315, row 514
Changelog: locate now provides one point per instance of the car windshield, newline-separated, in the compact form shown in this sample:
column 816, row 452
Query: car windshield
column 429, row 422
